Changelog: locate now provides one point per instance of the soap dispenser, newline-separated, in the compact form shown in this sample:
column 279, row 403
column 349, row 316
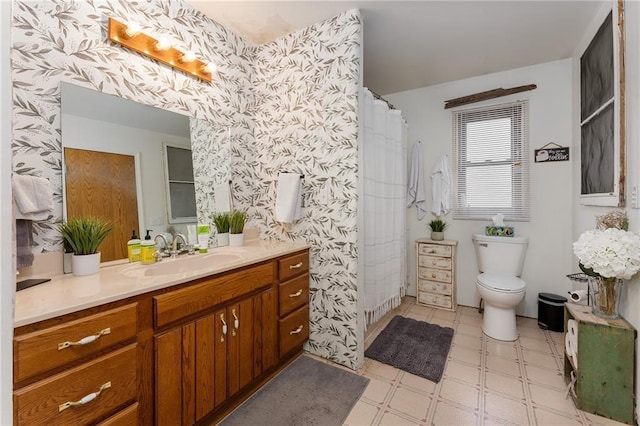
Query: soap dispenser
column 133, row 247
column 148, row 249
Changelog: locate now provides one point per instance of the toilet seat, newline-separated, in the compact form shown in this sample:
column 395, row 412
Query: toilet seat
column 501, row 283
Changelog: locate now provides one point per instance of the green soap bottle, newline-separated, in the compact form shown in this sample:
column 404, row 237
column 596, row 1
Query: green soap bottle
column 133, row 247
column 148, row 249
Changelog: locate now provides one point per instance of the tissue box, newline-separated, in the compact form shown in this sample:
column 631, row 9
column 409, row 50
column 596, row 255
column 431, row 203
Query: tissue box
column 499, row 231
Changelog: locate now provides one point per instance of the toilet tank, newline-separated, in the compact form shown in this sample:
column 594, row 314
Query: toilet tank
column 500, row 255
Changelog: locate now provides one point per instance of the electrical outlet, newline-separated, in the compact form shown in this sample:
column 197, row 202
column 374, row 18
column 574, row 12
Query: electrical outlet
column 635, row 203
column 324, row 195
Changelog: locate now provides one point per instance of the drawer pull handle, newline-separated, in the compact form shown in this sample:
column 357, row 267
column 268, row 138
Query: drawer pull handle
column 296, row 294
column 433, row 275
column 84, row 340
column 236, row 322
column 85, row 399
column 297, row 330
column 224, row 327
column 296, row 266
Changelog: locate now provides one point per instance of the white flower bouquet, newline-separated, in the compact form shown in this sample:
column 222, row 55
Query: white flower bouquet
column 609, row 253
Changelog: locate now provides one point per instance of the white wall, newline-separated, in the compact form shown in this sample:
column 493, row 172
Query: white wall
column 96, row 135
column 584, row 216
column 549, row 257
column 7, row 254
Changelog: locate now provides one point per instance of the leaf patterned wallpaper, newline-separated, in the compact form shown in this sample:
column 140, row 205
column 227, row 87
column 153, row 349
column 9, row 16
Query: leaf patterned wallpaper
column 290, row 105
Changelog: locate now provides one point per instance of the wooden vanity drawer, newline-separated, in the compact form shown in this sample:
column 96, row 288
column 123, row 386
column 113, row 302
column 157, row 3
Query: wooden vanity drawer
column 294, row 330
column 434, row 275
column 434, row 262
column 41, row 402
column 293, row 294
column 178, row 304
column 293, row 265
column 41, row 350
column 434, row 250
column 126, row 417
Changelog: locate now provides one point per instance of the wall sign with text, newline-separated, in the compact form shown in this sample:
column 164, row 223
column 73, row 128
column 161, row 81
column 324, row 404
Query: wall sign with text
column 547, row 153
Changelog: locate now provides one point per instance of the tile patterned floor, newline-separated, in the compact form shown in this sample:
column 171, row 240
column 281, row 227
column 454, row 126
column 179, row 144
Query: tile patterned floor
column 485, row 382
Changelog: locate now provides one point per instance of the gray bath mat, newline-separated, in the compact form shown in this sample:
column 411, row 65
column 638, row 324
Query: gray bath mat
column 414, row 346
column 307, row 392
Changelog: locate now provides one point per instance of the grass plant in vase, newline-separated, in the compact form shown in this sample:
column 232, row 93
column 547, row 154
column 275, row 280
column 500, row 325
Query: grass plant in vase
column 83, row 235
column 437, row 227
column 608, row 256
column 221, row 222
column 237, row 219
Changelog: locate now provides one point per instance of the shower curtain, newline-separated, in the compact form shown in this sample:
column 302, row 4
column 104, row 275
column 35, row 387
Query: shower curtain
column 384, row 222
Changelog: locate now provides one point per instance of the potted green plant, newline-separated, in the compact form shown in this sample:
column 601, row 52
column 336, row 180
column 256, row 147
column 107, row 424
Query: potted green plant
column 221, row 222
column 437, row 229
column 237, row 220
column 84, row 234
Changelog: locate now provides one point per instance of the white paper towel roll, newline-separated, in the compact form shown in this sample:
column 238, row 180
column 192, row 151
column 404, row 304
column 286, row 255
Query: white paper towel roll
column 578, row 296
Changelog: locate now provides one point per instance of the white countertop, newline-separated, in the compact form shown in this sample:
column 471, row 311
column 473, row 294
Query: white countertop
column 67, row 293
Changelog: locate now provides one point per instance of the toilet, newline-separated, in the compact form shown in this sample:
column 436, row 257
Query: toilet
column 500, row 262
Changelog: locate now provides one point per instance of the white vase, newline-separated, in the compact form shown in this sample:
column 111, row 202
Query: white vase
column 236, row 240
column 87, row 264
column 223, row 239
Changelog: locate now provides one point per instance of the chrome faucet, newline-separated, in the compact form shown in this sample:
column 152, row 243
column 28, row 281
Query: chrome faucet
column 165, row 247
column 174, row 250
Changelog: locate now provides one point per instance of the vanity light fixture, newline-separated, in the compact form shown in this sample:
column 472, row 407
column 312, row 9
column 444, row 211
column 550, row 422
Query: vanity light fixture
column 132, row 29
column 160, row 50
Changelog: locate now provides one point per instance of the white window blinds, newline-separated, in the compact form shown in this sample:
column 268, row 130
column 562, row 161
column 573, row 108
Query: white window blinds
column 491, row 175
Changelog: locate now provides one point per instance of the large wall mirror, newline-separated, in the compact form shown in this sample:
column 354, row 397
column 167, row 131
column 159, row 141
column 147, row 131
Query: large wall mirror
column 129, row 163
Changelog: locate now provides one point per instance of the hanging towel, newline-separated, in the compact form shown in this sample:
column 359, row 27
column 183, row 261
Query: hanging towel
column 441, row 187
column 24, row 241
column 33, row 197
column 289, row 197
column 222, row 198
column 416, row 189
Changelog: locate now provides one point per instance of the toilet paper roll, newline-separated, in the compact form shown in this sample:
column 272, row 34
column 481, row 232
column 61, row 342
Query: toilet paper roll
column 578, row 296
column 572, row 332
column 571, row 353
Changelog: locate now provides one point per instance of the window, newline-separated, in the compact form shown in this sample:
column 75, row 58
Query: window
column 491, row 168
column 181, row 194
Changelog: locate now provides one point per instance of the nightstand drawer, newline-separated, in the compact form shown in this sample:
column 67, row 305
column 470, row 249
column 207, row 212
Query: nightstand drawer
column 435, row 287
column 434, row 262
column 434, row 275
column 435, row 299
column 434, row 250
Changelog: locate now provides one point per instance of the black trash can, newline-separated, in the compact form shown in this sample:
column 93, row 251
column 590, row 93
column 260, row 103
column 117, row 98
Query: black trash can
column 551, row 311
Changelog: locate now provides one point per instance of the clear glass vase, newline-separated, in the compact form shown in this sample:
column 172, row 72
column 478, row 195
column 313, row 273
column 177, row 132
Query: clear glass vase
column 605, row 296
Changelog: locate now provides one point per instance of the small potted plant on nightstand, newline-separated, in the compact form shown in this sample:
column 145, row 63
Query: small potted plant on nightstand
column 84, row 234
column 237, row 220
column 437, row 229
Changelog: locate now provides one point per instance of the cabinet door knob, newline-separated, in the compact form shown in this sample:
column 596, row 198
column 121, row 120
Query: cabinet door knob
column 296, row 294
column 84, row 340
column 297, row 330
column 296, row 266
column 85, row 399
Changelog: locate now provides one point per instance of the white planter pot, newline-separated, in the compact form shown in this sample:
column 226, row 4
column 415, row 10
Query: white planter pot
column 437, row 236
column 223, row 239
column 87, row 264
column 236, row 240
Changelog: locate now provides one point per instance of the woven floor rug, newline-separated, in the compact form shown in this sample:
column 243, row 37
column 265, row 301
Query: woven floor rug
column 414, row 346
column 307, row 392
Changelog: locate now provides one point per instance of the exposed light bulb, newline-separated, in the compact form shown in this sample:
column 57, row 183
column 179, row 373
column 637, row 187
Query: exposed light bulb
column 133, row 29
column 163, row 44
column 188, row 56
column 210, row 68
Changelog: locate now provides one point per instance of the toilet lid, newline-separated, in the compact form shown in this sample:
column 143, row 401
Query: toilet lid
column 504, row 283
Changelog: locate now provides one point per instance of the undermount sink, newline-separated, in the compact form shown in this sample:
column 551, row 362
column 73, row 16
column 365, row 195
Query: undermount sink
column 182, row 264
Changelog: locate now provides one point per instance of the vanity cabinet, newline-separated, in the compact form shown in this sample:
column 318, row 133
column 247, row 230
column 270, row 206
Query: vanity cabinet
column 436, row 273
column 78, row 371
column 602, row 379
column 180, row 355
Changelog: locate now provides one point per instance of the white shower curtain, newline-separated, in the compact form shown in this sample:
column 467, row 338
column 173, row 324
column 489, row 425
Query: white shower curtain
column 384, row 221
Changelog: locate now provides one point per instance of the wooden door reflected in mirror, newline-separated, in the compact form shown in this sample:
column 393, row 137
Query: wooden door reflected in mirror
column 104, row 185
